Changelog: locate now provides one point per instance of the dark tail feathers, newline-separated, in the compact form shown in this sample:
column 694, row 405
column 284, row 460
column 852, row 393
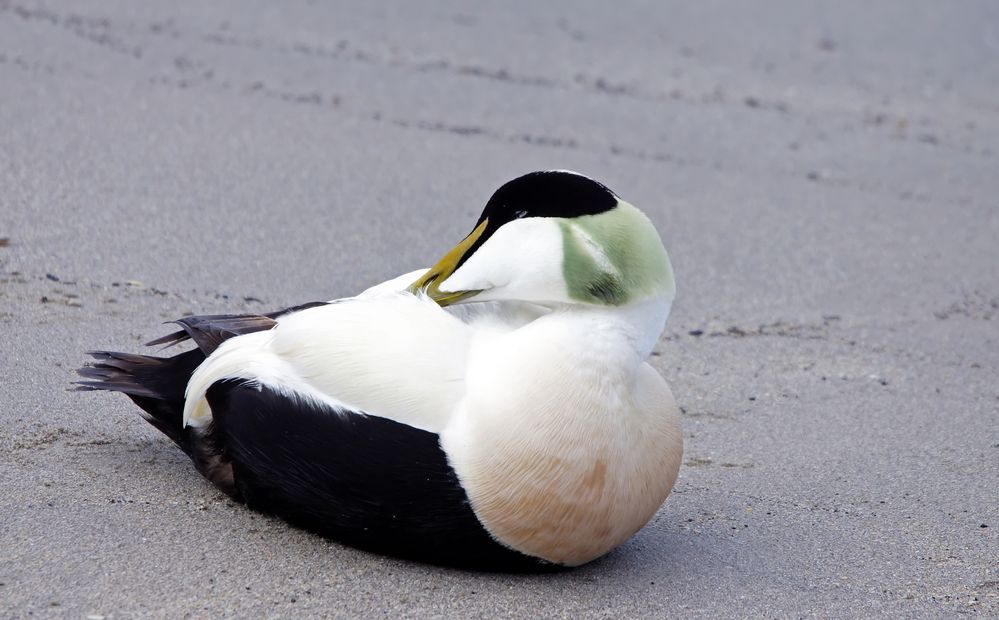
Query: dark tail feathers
column 156, row 384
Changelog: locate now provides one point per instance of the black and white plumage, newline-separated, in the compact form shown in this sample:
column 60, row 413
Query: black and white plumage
column 495, row 411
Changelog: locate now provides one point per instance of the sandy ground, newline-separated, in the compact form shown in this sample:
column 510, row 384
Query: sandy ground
column 825, row 176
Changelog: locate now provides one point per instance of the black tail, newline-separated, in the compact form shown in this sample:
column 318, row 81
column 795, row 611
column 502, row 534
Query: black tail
column 156, row 384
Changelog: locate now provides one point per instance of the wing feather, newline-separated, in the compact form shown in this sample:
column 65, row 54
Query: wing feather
column 397, row 356
column 208, row 331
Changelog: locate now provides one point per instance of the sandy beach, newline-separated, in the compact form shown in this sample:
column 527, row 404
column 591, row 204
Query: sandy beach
column 824, row 175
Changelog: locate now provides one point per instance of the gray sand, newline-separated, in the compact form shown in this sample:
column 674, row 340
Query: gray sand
column 825, row 176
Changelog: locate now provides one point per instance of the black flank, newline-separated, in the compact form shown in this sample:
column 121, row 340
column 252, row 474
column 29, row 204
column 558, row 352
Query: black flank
column 367, row 481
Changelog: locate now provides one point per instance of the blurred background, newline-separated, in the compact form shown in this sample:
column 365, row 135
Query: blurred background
column 823, row 175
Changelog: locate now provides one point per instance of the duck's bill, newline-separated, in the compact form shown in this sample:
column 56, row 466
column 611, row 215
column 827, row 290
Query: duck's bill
column 429, row 283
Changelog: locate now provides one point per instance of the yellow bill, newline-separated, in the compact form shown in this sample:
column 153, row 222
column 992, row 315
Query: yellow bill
column 430, row 282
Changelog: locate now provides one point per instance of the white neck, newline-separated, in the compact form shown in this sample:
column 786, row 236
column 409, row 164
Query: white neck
column 639, row 324
column 617, row 337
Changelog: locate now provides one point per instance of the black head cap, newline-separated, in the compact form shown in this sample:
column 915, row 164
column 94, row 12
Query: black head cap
column 550, row 193
column 554, row 193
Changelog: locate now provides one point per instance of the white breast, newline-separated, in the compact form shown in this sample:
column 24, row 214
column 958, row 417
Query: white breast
column 566, row 443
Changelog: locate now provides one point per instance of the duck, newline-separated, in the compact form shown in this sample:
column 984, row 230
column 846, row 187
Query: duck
column 496, row 411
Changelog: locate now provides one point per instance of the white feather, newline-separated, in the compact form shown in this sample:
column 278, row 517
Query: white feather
column 522, row 260
column 393, row 355
column 395, row 285
column 384, row 352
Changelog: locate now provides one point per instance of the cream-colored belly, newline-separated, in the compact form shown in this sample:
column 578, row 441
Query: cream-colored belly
column 567, row 475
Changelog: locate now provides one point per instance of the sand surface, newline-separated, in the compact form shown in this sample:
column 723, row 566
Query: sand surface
column 825, row 176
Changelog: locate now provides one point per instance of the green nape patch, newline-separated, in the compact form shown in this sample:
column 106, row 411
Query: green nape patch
column 614, row 257
column 587, row 280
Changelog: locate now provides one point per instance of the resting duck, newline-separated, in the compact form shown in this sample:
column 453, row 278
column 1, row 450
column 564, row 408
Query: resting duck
column 495, row 411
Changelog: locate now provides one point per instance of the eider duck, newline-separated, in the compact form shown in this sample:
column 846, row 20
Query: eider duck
column 494, row 412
